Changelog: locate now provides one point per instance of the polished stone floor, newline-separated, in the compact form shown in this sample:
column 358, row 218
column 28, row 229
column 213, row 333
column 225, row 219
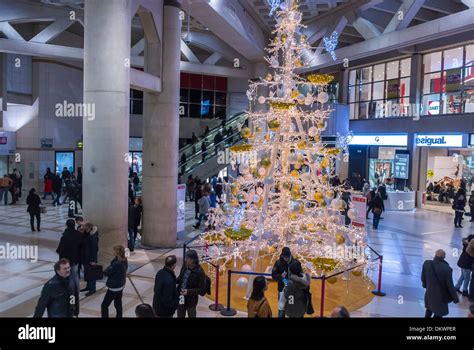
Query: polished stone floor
column 404, row 239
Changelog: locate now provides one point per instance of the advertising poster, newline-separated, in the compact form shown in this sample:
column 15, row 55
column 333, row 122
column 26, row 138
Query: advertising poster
column 359, row 204
column 181, row 208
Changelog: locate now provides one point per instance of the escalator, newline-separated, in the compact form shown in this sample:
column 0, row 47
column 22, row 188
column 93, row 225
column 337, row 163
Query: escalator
column 212, row 160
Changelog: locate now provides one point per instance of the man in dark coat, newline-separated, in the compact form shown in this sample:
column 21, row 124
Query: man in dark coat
column 281, row 272
column 89, row 253
column 56, row 294
column 437, row 279
column 165, row 299
column 191, row 283
column 70, row 246
column 57, row 188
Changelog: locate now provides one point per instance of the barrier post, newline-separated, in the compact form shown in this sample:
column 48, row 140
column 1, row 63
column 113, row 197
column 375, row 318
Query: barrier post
column 228, row 311
column 379, row 292
column 323, row 290
column 216, row 306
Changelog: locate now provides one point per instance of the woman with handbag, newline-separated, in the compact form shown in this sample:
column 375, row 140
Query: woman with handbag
column 258, row 306
column 90, row 250
column 33, row 201
column 377, row 209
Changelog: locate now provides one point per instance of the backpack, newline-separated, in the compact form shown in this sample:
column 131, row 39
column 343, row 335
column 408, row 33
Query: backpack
column 207, row 285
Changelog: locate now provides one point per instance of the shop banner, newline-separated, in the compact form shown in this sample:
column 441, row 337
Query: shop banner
column 359, row 204
column 181, row 207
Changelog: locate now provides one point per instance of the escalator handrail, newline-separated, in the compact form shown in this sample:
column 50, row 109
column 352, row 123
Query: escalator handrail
column 213, row 131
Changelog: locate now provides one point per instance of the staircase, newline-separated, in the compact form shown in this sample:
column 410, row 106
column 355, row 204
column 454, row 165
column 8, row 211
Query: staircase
column 205, row 167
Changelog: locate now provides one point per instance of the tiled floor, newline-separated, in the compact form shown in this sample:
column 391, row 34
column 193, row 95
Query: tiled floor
column 404, row 239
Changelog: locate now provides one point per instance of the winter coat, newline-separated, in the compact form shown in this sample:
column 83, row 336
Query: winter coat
column 131, row 216
column 55, row 298
column 296, row 295
column 165, row 299
column 259, row 308
column 116, row 273
column 377, row 202
column 465, row 259
column 57, row 184
column 33, row 201
column 279, row 267
column 90, row 247
column 137, row 216
column 70, row 246
column 48, row 184
column 204, row 204
column 437, row 278
column 195, row 285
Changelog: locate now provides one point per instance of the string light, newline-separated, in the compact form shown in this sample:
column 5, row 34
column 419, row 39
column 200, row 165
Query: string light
column 281, row 195
column 330, row 44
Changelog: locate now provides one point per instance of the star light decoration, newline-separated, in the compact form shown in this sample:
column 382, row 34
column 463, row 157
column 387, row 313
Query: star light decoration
column 330, row 44
column 274, row 4
column 282, row 195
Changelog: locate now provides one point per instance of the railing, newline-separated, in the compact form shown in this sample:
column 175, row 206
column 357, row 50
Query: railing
column 231, row 121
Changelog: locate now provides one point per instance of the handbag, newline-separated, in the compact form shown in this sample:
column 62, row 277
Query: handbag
column 377, row 211
column 43, row 209
column 309, row 308
column 93, row 272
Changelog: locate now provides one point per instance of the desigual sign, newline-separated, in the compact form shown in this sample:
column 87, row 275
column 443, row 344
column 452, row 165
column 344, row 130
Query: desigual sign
column 439, row 140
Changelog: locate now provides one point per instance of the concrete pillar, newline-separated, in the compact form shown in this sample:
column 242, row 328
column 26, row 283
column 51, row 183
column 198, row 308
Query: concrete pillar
column 107, row 86
column 161, row 137
column 416, row 79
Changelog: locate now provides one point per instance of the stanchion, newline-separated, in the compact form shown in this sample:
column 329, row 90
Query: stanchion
column 323, row 290
column 228, row 311
column 379, row 292
column 216, row 306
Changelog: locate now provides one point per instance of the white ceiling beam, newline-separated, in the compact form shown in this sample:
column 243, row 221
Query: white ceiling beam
column 22, row 12
column 138, row 48
column 208, row 69
column 10, row 32
column 451, row 25
column 41, row 50
column 366, row 28
column 405, row 14
column 188, row 53
column 144, row 81
column 216, row 56
column 468, row 3
column 52, row 31
column 443, row 6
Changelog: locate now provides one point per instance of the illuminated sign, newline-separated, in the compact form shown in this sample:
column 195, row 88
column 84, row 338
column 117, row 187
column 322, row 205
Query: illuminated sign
column 380, row 140
column 433, row 107
column 439, row 140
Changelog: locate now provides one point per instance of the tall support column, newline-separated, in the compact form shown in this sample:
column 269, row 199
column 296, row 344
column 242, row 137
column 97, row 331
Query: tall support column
column 107, row 88
column 161, row 139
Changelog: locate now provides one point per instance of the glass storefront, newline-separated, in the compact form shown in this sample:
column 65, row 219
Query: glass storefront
column 381, row 169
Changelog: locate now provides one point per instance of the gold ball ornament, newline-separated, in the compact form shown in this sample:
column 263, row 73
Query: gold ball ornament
column 246, row 132
column 356, row 272
column 340, row 239
column 330, row 193
column 294, row 173
column 266, row 162
column 301, row 145
column 318, row 197
column 331, row 280
column 274, row 125
column 325, row 162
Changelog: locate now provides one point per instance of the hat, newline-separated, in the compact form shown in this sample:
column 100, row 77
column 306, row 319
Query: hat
column 286, row 252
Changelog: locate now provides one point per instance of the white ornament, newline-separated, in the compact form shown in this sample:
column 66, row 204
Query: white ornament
column 262, row 171
column 323, row 97
column 259, row 191
column 262, row 99
column 242, row 282
column 244, row 169
column 336, row 204
column 313, row 131
column 308, row 100
column 352, row 214
column 246, row 268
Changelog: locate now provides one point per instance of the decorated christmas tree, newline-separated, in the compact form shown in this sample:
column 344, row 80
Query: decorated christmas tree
column 283, row 193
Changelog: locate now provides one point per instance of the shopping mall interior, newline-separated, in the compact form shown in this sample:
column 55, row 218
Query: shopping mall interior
column 236, row 158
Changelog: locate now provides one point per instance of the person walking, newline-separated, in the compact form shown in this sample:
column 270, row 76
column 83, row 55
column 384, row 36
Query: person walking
column 136, row 220
column 219, row 189
column 465, row 263
column 370, row 197
column 116, row 275
column 471, row 205
column 191, row 283
column 33, row 201
column 190, row 188
column 70, row 246
column 48, row 184
column 136, row 183
column 57, row 297
column 437, row 279
column 257, row 305
column 90, row 251
column 204, row 204
column 297, row 292
column 57, row 188
column 5, row 184
column 165, row 298
column 13, row 188
column 18, row 181
column 281, row 273
column 183, row 163
column 197, row 197
column 377, row 209
column 459, row 203
column 204, row 150
column 131, row 224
